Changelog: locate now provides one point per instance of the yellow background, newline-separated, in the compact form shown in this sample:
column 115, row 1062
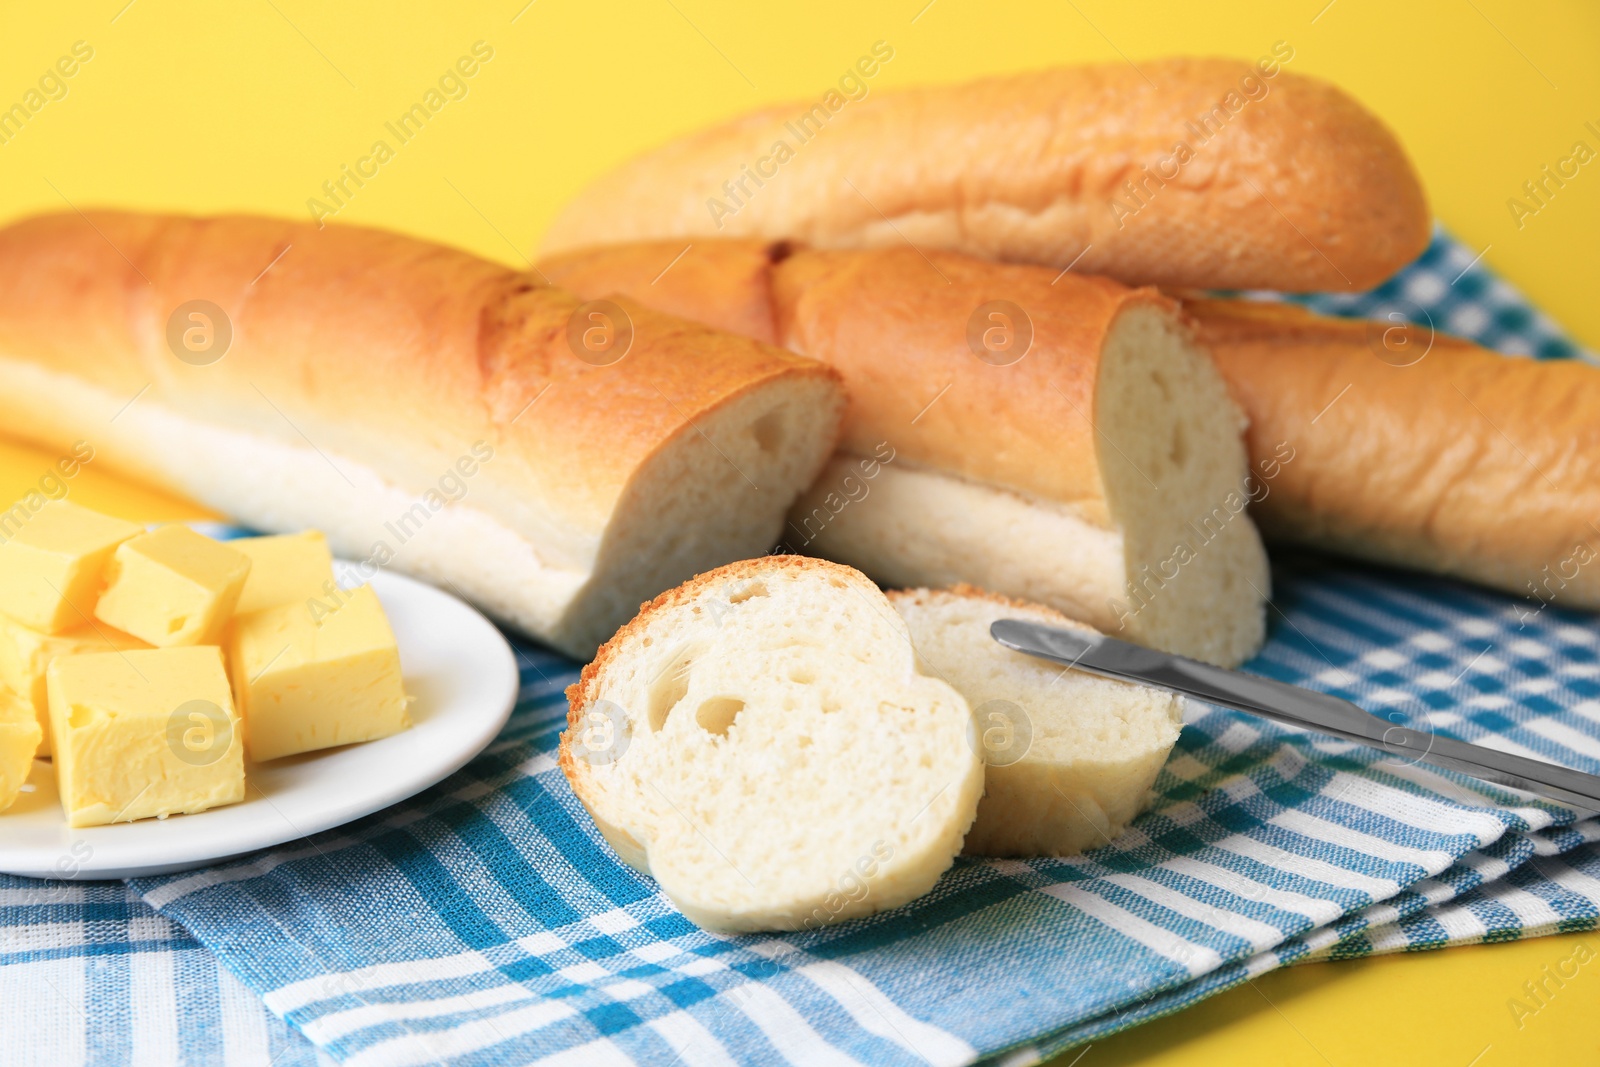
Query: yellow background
column 252, row 105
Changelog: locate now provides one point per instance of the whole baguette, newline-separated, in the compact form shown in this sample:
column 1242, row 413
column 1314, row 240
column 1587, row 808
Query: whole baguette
column 1418, row 449
column 422, row 406
column 1210, row 173
column 1099, row 472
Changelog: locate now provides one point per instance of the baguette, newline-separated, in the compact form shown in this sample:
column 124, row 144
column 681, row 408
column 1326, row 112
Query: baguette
column 420, row 405
column 1101, row 472
column 1210, row 173
column 1381, row 441
column 1418, row 449
column 759, row 741
column 1069, row 757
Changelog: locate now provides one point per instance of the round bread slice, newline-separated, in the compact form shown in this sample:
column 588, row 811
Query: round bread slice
column 760, row 741
column 1070, row 756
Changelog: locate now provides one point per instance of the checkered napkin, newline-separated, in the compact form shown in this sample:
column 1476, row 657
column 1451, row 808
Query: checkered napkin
column 485, row 921
column 89, row 973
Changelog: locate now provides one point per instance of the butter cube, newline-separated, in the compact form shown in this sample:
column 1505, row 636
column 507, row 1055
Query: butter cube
column 25, row 653
column 51, row 563
column 287, row 569
column 151, row 732
column 19, row 741
column 172, row 587
column 309, row 679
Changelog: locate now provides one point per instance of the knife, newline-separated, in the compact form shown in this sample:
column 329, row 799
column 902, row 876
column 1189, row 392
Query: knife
column 1291, row 704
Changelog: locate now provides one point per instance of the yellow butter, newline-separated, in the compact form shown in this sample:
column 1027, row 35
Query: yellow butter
column 25, row 653
column 151, row 732
column 309, row 679
column 19, row 741
column 51, row 563
column 286, row 569
column 172, row 587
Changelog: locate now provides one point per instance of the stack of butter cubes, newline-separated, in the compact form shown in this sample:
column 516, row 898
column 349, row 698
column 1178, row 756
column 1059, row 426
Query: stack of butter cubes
column 148, row 666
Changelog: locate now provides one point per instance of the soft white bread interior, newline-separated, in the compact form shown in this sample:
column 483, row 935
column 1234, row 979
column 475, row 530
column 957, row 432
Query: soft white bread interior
column 761, row 742
column 1070, row 757
column 422, row 406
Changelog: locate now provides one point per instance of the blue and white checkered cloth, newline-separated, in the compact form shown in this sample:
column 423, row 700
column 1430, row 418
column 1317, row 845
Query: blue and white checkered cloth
column 485, row 921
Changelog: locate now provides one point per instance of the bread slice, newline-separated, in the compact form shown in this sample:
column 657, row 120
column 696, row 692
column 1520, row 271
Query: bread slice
column 1070, row 757
column 760, row 741
column 427, row 409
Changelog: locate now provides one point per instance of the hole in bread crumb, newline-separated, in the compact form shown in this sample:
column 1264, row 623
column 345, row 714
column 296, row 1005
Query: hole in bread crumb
column 768, row 431
column 754, row 589
column 1180, row 446
column 670, row 686
column 177, row 624
column 802, row 675
column 802, row 741
column 1161, row 384
column 718, row 713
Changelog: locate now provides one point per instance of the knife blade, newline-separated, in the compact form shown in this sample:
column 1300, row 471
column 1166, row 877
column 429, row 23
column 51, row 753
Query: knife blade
column 1296, row 706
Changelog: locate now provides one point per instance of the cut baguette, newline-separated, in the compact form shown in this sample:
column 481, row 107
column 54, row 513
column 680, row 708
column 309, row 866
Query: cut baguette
column 1396, row 444
column 1212, row 173
column 1070, row 757
column 421, row 406
column 1102, row 473
column 760, row 741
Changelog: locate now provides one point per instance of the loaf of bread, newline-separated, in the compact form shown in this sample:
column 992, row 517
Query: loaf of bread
column 429, row 410
column 1069, row 757
column 760, row 741
column 1394, row 444
column 1055, row 438
column 1375, row 439
column 1211, row 173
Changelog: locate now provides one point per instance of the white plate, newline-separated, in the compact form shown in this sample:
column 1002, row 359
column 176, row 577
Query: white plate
column 457, row 666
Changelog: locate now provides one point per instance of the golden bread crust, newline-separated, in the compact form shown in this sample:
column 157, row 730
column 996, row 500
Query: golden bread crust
column 1284, row 182
column 897, row 325
column 723, row 284
column 390, row 351
column 1462, row 462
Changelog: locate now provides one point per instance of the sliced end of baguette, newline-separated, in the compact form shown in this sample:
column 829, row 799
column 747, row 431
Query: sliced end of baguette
column 1177, row 483
column 1070, row 757
column 717, row 491
column 1148, row 539
column 760, row 741
column 471, row 443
